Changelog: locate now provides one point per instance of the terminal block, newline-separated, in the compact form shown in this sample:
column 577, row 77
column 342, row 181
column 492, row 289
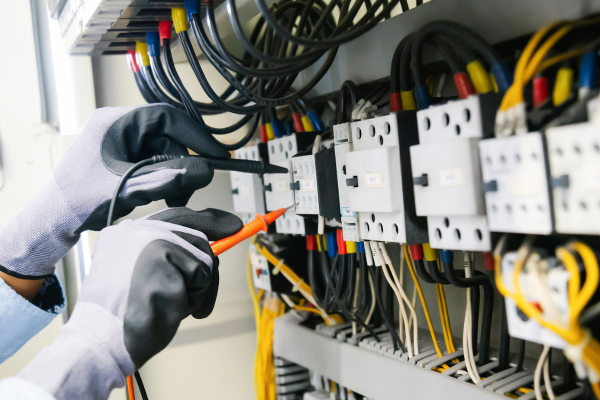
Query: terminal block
column 278, row 188
column 515, row 181
column 446, row 172
column 574, row 154
column 377, row 179
column 247, row 189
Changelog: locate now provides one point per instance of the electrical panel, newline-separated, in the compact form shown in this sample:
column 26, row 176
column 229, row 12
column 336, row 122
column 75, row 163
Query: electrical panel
column 374, row 178
column 447, row 175
column 515, row 179
column 574, row 154
column 247, row 189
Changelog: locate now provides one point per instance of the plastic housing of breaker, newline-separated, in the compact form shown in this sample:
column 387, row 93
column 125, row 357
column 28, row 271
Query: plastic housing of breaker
column 519, row 325
column 316, row 395
column 520, row 202
column 261, row 276
column 574, row 154
column 448, row 156
column 380, row 162
column 350, row 227
column 247, row 189
column 305, row 178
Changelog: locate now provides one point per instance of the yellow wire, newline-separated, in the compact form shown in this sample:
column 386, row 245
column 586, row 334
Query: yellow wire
column 452, row 349
column 423, row 303
column 596, row 389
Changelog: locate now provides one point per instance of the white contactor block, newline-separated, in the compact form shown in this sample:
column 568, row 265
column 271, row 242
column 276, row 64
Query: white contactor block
column 305, row 185
column 447, row 175
column 342, row 136
column 516, row 184
column 574, row 153
column 291, row 224
column 278, row 193
column 247, row 189
column 373, row 180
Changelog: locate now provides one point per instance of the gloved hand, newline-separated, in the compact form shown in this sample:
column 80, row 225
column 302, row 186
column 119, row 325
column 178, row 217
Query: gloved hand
column 147, row 275
column 77, row 196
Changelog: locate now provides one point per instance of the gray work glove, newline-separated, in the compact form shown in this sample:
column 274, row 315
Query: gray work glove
column 77, row 196
column 147, row 275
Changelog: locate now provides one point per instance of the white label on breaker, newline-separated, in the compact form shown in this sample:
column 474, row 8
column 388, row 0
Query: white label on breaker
column 373, row 180
column 452, row 177
column 308, row 185
column 347, row 212
column 245, row 190
column 280, row 186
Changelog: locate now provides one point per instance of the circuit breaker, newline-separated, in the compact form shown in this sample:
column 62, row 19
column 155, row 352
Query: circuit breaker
column 279, row 193
column 574, row 154
column 375, row 169
column 447, row 175
column 343, row 144
column 247, row 189
column 515, row 179
column 305, row 184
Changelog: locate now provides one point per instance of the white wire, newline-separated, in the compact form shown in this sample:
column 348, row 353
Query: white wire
column 401, row 331
column 468, row 342
column 373, row 300
column 548, row 378
column 538, row 373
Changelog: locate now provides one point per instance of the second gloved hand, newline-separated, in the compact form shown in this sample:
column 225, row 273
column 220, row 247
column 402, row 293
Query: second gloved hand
column 147, row 275
column 77, row 197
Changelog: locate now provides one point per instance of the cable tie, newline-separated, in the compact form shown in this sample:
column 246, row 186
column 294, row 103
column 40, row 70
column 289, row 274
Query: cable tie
column 297, row 285
column 278, row 267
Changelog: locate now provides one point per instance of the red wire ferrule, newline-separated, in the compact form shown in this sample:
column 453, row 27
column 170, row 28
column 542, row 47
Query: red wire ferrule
column 395, row 102
column 340, row 242
column 263, row 134
column 298, row 122
column 416, row 252
column 133, row 65
column 540, row 90
column 311, row 243
column 488, row 261
column 164, row 30
column 464, row 87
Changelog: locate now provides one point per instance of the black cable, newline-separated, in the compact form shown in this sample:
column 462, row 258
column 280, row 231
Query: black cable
column 521, row 358
column 157, row 91
column 504, row 350
column 479, row 279
column 143, row 88
column 249, row 134
column 138, row 379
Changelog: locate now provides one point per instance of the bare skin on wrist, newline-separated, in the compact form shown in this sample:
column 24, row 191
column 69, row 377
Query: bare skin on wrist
column 26, row 288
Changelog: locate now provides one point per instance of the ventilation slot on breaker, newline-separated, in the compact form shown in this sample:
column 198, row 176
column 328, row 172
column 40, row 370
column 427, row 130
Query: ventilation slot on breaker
column 375, row 180
column 447, row 175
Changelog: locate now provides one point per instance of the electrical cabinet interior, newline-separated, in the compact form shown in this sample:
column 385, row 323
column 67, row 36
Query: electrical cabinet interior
column 446, row 172
column 247, row 189
column 374, row 179
column 574, row 154
column 515, row 178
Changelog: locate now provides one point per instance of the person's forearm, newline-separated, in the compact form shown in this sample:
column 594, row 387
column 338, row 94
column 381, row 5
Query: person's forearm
column 26, row 288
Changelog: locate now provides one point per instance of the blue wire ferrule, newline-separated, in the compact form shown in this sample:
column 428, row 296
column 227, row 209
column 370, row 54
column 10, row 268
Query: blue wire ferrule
column 153, row 42
column 277, row 128
column 331, row 244
column 502, row 75
column 423, row 97
column 360, row 247
column 446, row 256
column 316, row 121
column 288, row 127
column 587, row 69
column 192, row 7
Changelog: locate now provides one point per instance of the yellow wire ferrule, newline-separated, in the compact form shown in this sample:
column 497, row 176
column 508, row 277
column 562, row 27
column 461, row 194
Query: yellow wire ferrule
column 307, row 124
column 179, row 19
column 429, row 253
column 408, row 100
column 562, row 86
column 350, row 247
column 479, row 77
column 270, row 132
column 141, row 54
column 494, row 83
